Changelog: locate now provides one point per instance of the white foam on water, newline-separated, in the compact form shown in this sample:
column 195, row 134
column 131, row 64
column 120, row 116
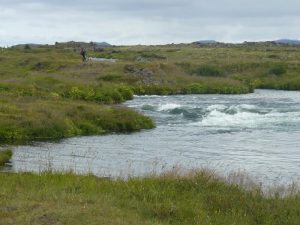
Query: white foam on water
column 216, row 107
column 220, row 119
column 242, row 119
column 233, row 108
column 246, row 106
column 168, row 106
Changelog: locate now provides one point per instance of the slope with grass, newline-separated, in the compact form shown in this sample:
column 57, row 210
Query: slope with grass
column 194, row 198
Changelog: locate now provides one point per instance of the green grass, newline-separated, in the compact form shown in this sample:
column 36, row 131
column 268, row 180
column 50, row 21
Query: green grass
column 26, row 119
column 5, row 156
column 193, row 198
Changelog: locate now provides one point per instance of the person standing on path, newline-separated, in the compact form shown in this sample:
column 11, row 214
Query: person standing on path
column 83, row 54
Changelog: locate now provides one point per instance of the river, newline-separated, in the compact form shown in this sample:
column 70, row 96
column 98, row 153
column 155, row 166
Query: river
column 256, row 133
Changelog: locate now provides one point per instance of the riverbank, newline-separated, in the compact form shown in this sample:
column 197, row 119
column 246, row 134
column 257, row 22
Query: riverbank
column 175, row 197
column 192, row 198
column 5, row 156
column 33, row 119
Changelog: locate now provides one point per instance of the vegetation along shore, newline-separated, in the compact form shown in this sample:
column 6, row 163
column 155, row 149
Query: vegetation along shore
column 198, row 197
column 5, row 156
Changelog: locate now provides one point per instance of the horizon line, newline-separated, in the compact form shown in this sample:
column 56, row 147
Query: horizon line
column 152, row 44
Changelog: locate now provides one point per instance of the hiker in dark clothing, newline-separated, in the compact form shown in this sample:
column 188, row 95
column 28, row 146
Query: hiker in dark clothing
column 83, row 54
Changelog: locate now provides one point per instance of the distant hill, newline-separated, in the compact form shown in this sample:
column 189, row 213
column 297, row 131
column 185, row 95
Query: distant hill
column 288, row 41
column 102, row 43
column 29, row 45
column 75, row 44
column 216, row 44
column 206, row 42
column 100, row 46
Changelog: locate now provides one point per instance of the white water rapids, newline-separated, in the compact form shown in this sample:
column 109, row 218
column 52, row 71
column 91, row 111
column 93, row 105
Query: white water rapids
column 258, row 133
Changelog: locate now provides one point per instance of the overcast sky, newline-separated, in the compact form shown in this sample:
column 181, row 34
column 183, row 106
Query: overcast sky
column 147, row 21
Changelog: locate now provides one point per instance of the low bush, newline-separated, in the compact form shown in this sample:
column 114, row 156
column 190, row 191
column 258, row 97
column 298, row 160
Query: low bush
column 5, row 156
column 277, row 70
column 206, row 70
column 109, row 77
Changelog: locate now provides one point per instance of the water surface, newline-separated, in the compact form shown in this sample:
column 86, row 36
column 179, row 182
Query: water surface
column 258, row 133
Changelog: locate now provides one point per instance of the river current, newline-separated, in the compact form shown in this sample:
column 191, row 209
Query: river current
column 256, row 133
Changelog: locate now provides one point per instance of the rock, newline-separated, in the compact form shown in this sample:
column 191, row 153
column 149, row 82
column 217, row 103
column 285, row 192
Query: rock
column 144, row 74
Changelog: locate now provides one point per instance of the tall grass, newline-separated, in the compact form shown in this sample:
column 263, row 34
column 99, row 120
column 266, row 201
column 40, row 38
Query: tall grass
column 199, row 197
column 26, row 119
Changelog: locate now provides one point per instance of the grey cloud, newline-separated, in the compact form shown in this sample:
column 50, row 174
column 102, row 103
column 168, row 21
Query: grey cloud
column 147, row 21
column 166, row 8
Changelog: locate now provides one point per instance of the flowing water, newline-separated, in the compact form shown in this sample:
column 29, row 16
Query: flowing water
column 258, row 133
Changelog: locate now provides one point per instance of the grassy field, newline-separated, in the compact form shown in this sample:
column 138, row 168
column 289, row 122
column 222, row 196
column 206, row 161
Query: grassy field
column 46, row 91
column 193, row 198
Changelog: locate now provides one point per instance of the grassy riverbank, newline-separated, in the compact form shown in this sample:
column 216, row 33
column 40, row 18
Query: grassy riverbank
column 46, row 92
column 194, row 198
column 25, row 119
column 5, row 156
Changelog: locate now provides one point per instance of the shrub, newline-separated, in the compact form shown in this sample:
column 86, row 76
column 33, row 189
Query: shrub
column 152, row 56
column 109, row 77
column 126, row 92
column 10, row 133
column 5, row 156
column 184, row 65
column 116, row 96
column 207, row 71
column 76, row 93
column 196, row 88
column 27, row 47
column 277, row 70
